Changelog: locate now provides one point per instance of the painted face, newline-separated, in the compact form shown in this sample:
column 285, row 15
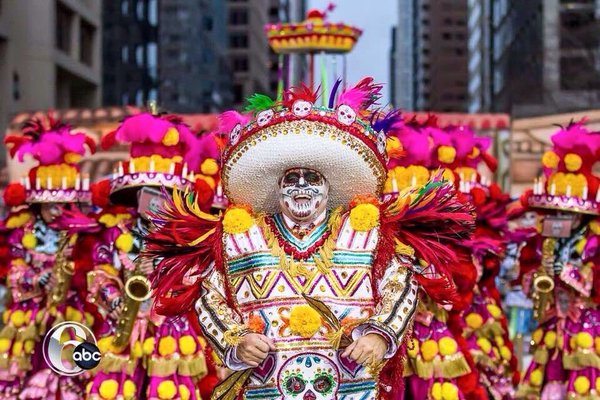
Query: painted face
column 309, row 377
column 235, row 134
column 51, row 211
column 346, row 115
column 301, row 108
column 303, row 194
column 264, row 117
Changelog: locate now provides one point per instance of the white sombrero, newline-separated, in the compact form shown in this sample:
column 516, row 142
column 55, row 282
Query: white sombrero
column 346, row 150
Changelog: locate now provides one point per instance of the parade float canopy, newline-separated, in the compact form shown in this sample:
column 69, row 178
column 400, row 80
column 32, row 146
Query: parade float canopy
column 312, row 35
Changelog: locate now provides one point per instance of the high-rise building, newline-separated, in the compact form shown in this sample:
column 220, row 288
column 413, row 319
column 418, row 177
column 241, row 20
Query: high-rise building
column 49, row 55
column 431, row 53
column 541, row 56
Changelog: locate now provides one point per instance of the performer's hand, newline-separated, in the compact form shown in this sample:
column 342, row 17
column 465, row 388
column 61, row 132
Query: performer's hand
column 367, row 350
column 254, row 348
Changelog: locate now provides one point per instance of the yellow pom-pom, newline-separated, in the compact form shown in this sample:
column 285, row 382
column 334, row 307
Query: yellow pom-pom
column 537, row 336
column 449, row 391
column 105, row 344
column 536, row 377
column 124, row 242
column 187, row 345
column 89, row 319
column 137, row 350
column 412, row 348
column 184, row 392
column 573, row 162
column 18, row 318
column 74, row 314
column 4, row 345
column 209, row 166
column 17, row 348
column 598, row 384
column 595, row 227
column 446, row 154
column 584, row 340
column 304, row 321
column 364, row 217
column 5, row 316
column 499, row 340
column 237, row 220
column 29, row 345
column 494, row 311
column 581, row 385
column 167, row 346
column 474, row 320
column 447, row 346
column 436, row 391
column 29, row 241
column 166, row 390
column 108, row 389
column 550, row 339
column 129, row 390
column 18, row 220
column 148, row 346
column 505, row 353
column 550, row 159
column 429, row 349
column 72, row 158
column 484, row 344
column 171, row 137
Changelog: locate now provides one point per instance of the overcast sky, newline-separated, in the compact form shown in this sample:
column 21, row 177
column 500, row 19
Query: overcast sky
column 370, row 57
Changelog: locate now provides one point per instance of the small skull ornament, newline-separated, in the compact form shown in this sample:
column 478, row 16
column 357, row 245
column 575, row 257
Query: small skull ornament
column 346, row 115
column 235, row 134
column 309, row 376
column 264, row 117
column 301, row 108
column 381, row 142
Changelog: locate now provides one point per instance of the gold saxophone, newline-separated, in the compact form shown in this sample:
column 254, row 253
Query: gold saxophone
column 63, row 270
column 137, row 290
column 543, row 279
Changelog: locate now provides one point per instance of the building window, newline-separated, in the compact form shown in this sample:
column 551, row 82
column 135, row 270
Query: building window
column 125, row 99
column 16, row 86
column 152, row 59
column 86, row 43
column 153, row 95
column 153, row 12
column 139, row 98
column 139, row 55
column 238, row 93
column 208, row 23
column 446, row 36
column 240, row 64
column 64, row 22
column 125, row 7
column 238, row 41
column 238, row 17
column 124, row 54
column 140, row 10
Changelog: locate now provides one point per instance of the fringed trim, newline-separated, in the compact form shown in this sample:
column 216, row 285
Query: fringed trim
column 541, row 356
column 581, row 359
column 28, row 333
column 483, row 359
column 8, row 332
column 193, row 366
column 448, row 367
column 526, row 391
column 407, row 369
column 116, row 363
column 593, row 395
column 490, row 330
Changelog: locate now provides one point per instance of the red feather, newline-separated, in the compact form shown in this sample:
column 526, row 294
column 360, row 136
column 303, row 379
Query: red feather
column 14, row 142
column 109, row 140
column 301, row 92
column 91, row 144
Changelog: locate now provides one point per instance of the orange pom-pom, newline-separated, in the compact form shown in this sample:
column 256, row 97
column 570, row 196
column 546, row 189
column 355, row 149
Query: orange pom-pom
column 14, row 195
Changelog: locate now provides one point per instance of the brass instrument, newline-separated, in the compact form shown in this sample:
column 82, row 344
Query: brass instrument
column 543, row 279
column 137, row 290
column 63, row 270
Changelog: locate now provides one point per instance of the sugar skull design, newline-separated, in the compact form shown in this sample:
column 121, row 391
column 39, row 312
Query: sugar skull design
column 235, row 134
column 301, row 108
column 309, row 376
column 264, row 117
column 381, row 142
column 346, row 115
column 303, row 194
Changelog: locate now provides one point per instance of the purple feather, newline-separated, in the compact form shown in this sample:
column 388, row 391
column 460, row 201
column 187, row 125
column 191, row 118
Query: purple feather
column 334, row 90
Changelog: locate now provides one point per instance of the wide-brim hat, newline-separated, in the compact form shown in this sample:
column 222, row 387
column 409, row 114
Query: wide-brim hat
column 348, row 156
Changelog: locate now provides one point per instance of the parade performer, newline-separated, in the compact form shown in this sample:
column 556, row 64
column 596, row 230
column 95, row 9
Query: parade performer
column 144, row 356
column 438, row 362
column 564, row 286
column 307, row 282
column 41, row 271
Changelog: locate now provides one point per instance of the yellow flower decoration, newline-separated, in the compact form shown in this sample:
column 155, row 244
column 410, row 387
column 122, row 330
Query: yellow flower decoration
column 108, row 389
column 536, row 377
column 4, row 345
column 550, row 159
column 167, row 346
column 446, row 154
column 148, row 346
column 171, row 137
column 137, row 350
column 73, row 314
column 184, row 392
column 129, row 389
column 484, row 344
column 29, row 241
column 449, row 391
column 166, row 390
column 304, row 321
column 124, row 242
column 537, row 336
column 18, row 220
column 573, row 162
column 550, row 339
column 598, row 384
column 18, row 318
column 237, row 220
column 436, row 391
column 364, row 217
column 582, row 385
column 187, row 345
column 447, row 346
column 584, row 340
column 474, row 320
column 494, row 311
column 209, row 166
column 429, row 349
column 595, row 227
column 505, row 353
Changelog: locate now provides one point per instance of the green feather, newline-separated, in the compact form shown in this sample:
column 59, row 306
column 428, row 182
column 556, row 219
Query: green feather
column 258, row 102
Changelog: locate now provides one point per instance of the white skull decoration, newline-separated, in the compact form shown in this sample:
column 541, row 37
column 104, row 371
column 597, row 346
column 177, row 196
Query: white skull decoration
column 301, row 108
column 309, row 376
column 264, row 117
column 381, row 142
column 346, row 115
column 235, row 134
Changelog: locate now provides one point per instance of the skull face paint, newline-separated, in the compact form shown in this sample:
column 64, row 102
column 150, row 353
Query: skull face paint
column 301, row 108
column 264, row 117
column 346, row 115
column 303, row 194
column 235, row 134
column 309, row 377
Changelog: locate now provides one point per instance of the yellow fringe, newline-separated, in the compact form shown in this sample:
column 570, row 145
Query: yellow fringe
column 8, row 332
column 541, row 356
column 194, row 366
column 233, row 336
column 111, row 362
column 448, row 367
column 526, row 391
column 581, row 359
